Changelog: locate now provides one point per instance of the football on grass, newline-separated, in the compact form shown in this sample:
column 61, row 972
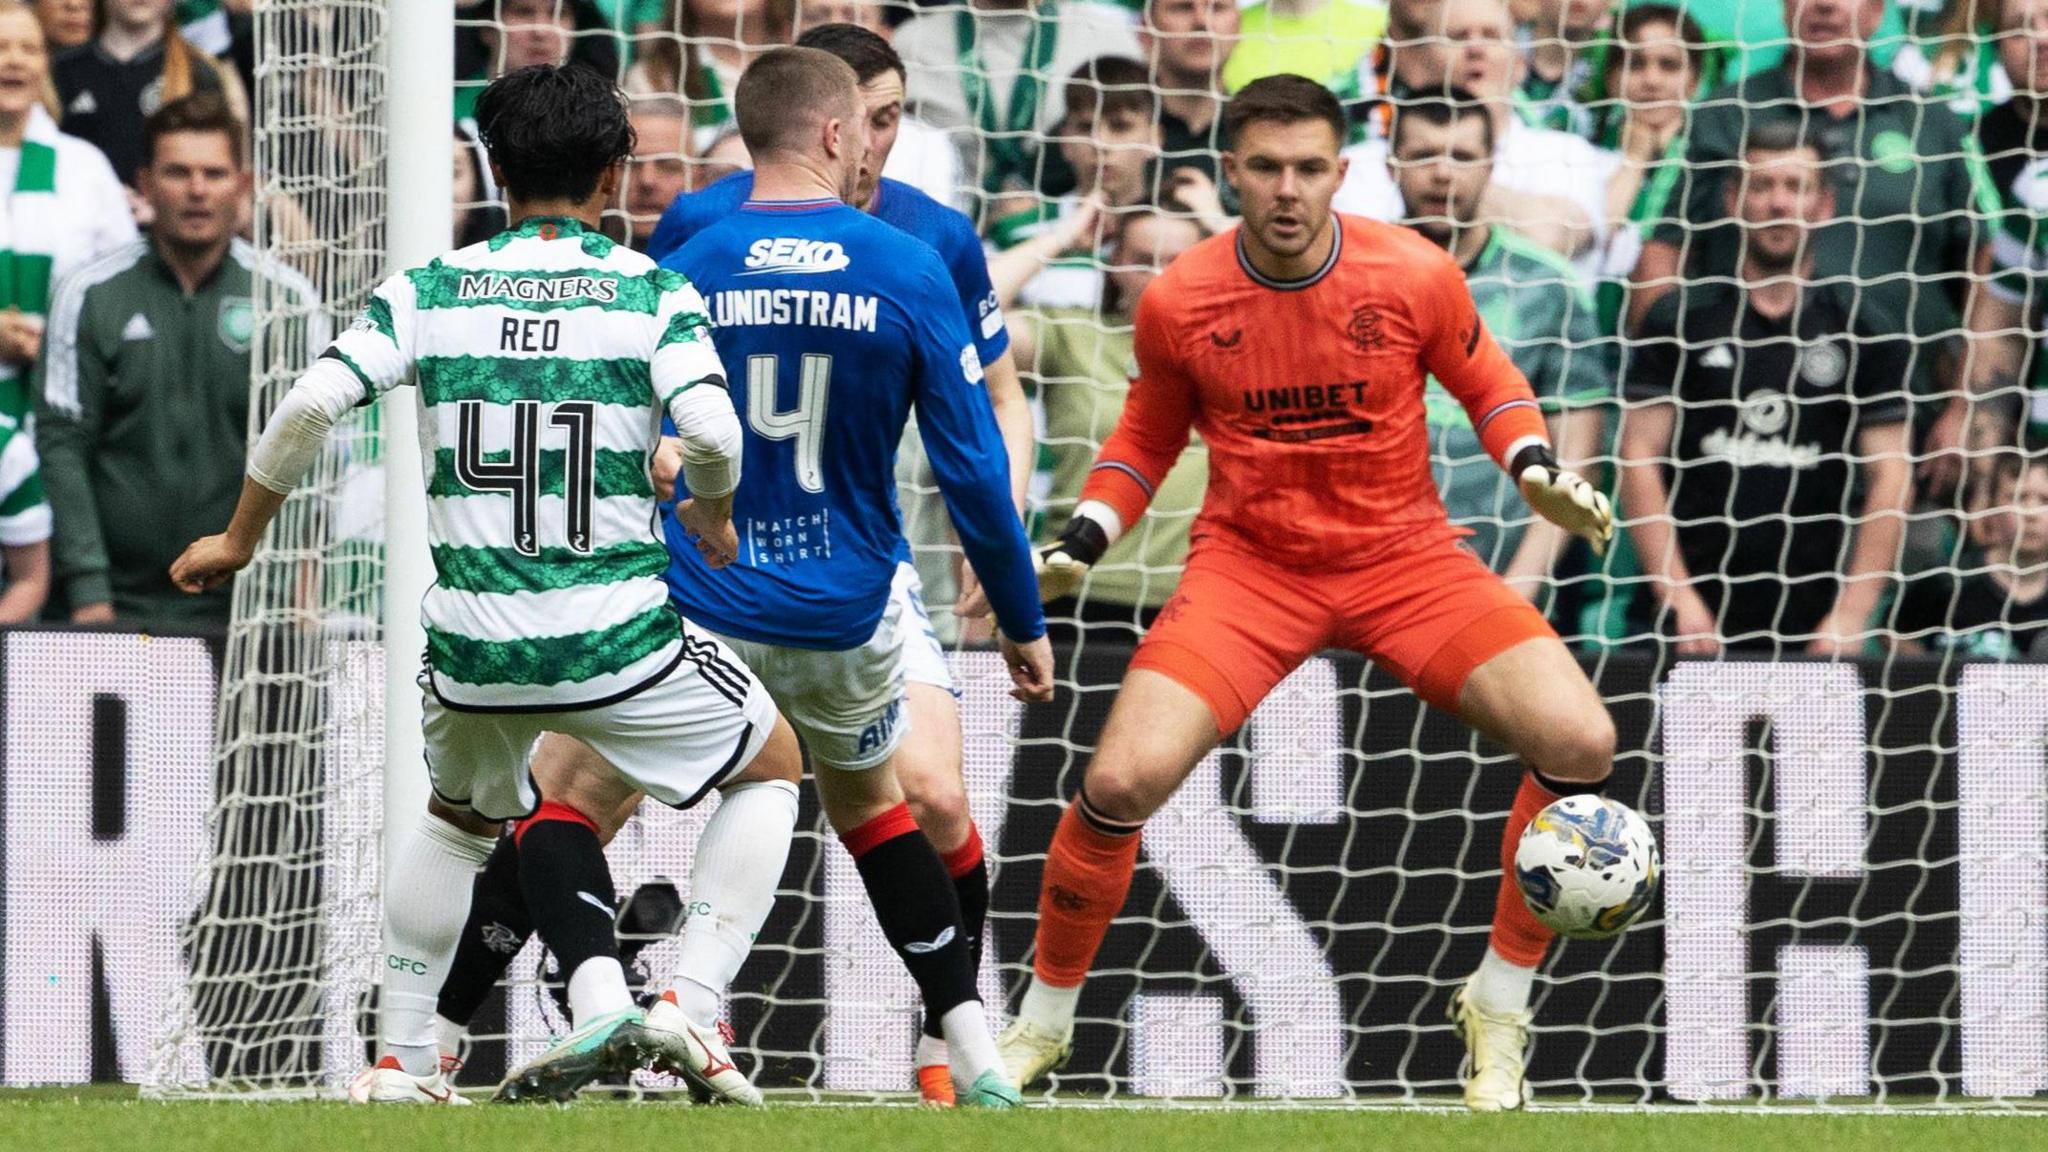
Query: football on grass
column 1588, row 867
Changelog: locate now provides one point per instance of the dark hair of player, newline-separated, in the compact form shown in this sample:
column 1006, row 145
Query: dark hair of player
column 199, row 112
column 1113, row 86
column 1442, row 111
column 1782, row 136
column 1283, row 98
column 788, row 93
column 866, row 53
column 552, row 131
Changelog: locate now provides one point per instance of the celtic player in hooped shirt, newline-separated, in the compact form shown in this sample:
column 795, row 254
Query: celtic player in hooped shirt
column 1298, row 347
column 546, row 358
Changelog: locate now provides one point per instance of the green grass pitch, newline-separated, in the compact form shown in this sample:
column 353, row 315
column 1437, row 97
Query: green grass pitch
column 54, row 1121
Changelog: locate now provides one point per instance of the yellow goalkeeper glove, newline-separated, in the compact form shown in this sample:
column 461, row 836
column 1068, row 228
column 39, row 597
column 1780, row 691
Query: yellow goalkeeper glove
column 1064, row 563
column 1564, row 497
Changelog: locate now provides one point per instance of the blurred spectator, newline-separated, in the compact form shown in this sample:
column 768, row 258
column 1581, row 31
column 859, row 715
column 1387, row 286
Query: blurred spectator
column 1758, row 35
column 477, row 215
column 726, row 155
column 2008, row 308
column 1081, row 359
column 1992, row 605
column 667, row 65
column 1561, row 74
column 24, row 526
column 66, row 23
column 1654, row 69
column 1952, row 51
column 1906, row 234
column 627, row 21
column 659, row 170
column 979, row 73
column 1188, row 44
column 493, row 37
column 64, row 206
column 877, row 16
column 1756, row 399
column 1110, row 138
column 137, row 63
column 1547, row 185
column 224, row 30
column 700, row 50
column 1324, row 40
column 142, row 395
column 1534, row 304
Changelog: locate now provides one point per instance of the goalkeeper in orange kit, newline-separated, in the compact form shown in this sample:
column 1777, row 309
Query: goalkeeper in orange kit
column 1298, row 347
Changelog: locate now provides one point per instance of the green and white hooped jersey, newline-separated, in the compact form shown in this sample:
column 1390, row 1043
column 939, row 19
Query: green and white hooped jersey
column 536, row 354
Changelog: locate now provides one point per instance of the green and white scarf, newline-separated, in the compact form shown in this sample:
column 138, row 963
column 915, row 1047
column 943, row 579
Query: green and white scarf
column 30, row 225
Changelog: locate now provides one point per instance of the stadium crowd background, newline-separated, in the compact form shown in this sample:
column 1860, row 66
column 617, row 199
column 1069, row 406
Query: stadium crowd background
column 1820, row 431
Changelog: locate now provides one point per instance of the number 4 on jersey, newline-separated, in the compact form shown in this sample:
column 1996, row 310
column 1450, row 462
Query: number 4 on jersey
column 804, row 423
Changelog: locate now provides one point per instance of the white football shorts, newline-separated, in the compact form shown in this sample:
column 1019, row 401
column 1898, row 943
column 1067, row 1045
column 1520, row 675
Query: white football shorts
column 676, row 739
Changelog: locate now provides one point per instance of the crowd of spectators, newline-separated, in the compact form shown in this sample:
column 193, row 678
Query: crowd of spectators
column 1775, row 273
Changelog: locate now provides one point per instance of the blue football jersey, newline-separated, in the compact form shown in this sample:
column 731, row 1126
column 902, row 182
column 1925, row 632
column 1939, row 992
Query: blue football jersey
column 832, row 325
column 902, row 205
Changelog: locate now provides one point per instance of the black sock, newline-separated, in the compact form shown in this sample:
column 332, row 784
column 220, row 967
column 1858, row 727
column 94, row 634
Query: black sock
column 1562, row 788
column 918, row 910
column 971, row 888
column 568, row 889
column 498, row 927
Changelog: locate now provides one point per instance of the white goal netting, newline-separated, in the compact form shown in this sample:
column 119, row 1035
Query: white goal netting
column 1850, row 790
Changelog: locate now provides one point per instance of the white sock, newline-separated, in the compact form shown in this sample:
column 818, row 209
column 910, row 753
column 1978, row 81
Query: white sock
column 931, row 1051
column 740, row 857
column 597, row 988
column 449, row 1036
column 426, row 900
column 969, row 1046
column 1501, row 986
column 1050, row 1008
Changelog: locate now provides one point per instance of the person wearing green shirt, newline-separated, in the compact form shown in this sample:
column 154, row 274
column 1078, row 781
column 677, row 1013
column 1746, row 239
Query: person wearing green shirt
column 1907, row 178
column 142, row 392
column 1536, row 306
column 1564, row 56
column 1081, row 361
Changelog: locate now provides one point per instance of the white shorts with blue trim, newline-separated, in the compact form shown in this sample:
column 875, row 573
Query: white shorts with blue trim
column 924, row 658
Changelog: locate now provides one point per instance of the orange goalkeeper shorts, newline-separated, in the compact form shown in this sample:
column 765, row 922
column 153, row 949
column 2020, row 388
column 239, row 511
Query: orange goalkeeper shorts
column 1238, row 624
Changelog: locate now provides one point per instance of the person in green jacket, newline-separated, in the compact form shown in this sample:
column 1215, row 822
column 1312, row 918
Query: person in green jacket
column 142, row 391
column 1535, row 304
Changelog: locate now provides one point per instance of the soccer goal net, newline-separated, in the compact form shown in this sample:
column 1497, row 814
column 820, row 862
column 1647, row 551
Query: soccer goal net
column 1851, row 789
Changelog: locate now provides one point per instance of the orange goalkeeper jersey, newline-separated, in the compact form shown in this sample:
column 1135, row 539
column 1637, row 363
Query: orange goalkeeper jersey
column 1309, row 395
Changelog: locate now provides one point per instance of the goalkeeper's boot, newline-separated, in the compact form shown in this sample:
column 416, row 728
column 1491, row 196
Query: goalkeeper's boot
column 1496, row 1055
column 991, row 1090
column 702, row 1057
column 387, row 1083
column 612, row 1044
column 1029, row 1052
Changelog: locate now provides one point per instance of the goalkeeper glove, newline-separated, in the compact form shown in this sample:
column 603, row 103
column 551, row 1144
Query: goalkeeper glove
column 1064, row 563
column 1563, row 497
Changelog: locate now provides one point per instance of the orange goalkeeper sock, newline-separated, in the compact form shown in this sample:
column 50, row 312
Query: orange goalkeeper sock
column 1087, row 875
column 1518, row 937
